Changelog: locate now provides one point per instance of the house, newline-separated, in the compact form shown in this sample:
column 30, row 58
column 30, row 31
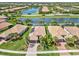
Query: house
column 4, row 25
column 73, row 30
column 3, row 18
column 45, row 9
column 37, row 31
column 19, row 29
column 57, row 31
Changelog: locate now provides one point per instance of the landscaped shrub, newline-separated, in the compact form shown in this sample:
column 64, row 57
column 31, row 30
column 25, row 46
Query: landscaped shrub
column 71, row 44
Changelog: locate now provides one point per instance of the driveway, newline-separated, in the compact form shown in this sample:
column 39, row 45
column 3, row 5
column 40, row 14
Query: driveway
column 32, row 49
column 62, row 47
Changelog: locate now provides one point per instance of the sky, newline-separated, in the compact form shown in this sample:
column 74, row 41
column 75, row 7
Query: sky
column 39, row 0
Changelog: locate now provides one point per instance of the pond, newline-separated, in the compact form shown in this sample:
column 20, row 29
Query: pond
column 30, row 11
column 35, row 10
column 48, row 20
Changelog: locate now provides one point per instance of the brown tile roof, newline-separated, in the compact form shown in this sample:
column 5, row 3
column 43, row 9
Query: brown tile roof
column 38, row 30
column 45, row 9
column 4, row 24
column 16, row 29
column 73, row 30
column 57, row 31
column 2, row 20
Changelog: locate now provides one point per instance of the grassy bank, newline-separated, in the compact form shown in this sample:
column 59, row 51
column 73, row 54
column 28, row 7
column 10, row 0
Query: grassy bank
column 11, row 54
column 50, row 16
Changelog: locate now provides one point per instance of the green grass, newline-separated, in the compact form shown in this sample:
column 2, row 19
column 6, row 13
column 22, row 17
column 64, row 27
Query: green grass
column 48, row 54
column 13, row 45
column 11, row 54
column 50, row 16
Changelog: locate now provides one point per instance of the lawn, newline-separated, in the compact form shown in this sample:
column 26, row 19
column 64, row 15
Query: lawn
column 11, row 54
column 48, row 54
column 49, row 16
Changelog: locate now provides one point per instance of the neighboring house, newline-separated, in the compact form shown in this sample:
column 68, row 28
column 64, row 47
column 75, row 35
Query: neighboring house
column 19, row 29
column 13, row 9
column 4, row 25
column 3, row 19
column 45, row 9
column 57, row 31
column 73, row 30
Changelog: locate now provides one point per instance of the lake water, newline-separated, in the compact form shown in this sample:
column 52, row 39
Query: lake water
column 46, row 20
column 30, row 11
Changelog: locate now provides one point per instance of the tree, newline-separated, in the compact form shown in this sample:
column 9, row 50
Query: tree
column 70, row 40
column 54, row 23
column 43, row 42
column 47, row 41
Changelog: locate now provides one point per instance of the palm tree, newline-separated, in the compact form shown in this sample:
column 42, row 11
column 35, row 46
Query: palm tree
column 44, row 42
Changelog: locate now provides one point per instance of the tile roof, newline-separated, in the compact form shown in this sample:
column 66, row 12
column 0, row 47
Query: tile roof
column 37, row 30
column 2, row 17
column 2, row 20
column 72, row 30
column 16, row 29
column 45, row 9
column 4, row 24
column 57, row 31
